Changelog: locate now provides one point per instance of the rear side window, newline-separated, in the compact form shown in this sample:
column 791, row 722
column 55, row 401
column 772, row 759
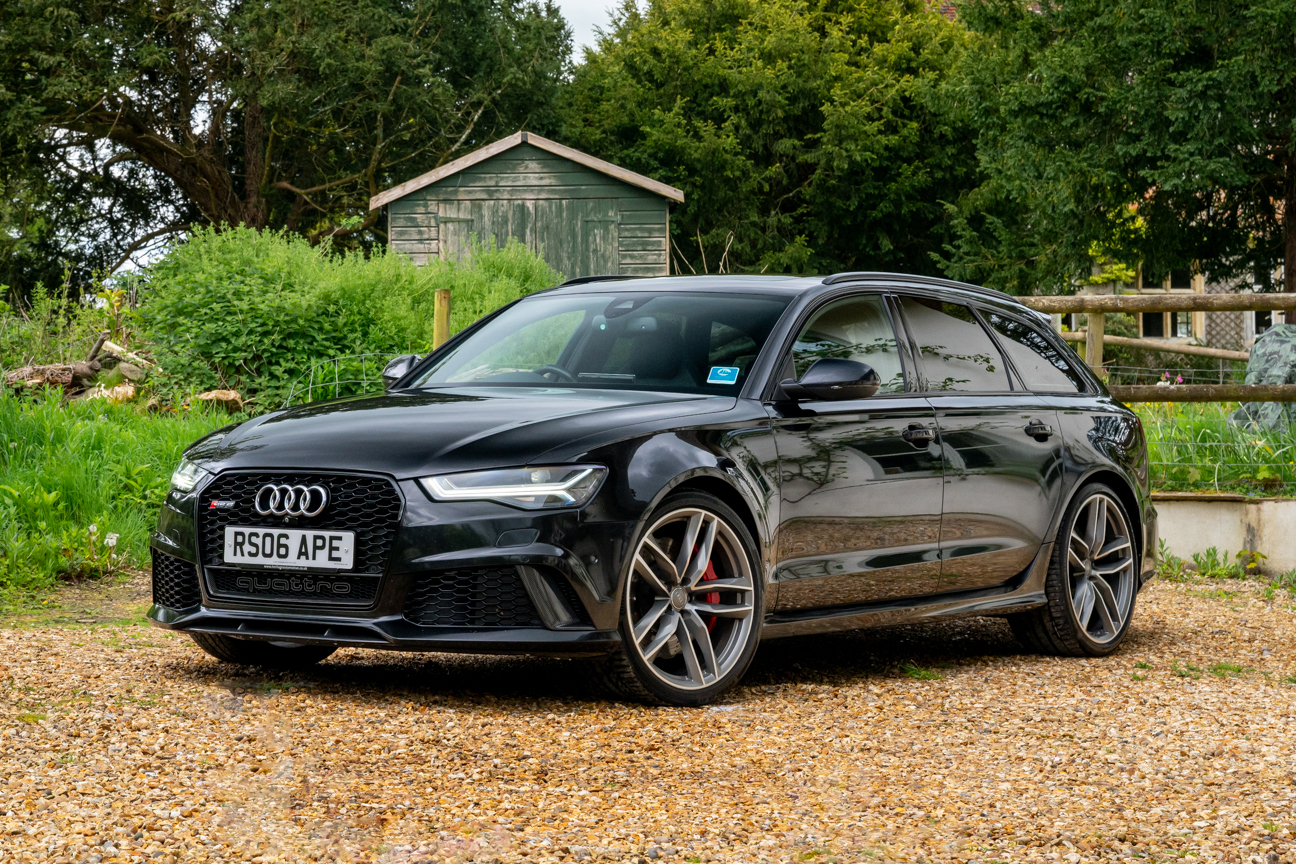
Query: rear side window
column 957, row 352
column 1042, row 367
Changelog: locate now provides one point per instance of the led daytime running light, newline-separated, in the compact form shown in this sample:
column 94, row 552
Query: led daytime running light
column 443, row 487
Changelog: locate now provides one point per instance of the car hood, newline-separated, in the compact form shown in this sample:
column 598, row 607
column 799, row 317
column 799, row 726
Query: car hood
column 415, row 433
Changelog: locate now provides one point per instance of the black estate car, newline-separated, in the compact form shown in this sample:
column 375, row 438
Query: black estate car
column 664, row 472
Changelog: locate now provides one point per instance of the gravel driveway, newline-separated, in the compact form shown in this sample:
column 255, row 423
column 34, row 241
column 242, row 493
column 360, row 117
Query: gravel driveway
column 127, row 743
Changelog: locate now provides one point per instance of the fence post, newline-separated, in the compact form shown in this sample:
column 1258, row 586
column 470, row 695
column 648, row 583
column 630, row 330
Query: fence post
column 1094, row 341
column 441, row 317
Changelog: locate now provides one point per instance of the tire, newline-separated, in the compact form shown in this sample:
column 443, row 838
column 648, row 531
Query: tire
column 254, row 652
column 694, row 645
column 1090, row 597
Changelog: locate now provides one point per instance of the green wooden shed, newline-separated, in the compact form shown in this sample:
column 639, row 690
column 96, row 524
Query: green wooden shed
column 588, row 217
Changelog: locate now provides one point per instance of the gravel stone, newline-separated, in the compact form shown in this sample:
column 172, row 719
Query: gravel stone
column 130, row 742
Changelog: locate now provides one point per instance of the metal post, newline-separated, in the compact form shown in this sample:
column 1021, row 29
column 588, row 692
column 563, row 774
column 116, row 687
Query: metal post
column 1094, row 341
column 441, row 317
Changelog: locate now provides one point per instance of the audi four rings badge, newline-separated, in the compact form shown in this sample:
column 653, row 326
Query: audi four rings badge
column 285, row 500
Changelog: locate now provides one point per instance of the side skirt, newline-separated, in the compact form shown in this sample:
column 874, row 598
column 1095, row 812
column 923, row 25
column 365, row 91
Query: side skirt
column 1022, row 592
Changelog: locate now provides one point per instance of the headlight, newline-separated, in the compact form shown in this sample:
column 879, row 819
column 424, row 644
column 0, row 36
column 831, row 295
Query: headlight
column 186, row 476
column 529, row 488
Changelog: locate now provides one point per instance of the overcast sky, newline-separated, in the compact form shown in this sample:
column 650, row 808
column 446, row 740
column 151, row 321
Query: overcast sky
column 584, row 16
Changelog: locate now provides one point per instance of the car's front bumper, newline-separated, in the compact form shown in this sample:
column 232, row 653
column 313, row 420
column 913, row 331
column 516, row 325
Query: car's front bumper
column 391, row 632
column 555, row 563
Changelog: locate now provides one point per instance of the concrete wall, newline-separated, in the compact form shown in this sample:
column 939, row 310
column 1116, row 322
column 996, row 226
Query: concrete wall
column 1192, row 523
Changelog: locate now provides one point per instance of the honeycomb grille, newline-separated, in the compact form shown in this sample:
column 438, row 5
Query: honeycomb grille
column 359, row 589
column 369, row 506
column 491, row 597
column 175, row 582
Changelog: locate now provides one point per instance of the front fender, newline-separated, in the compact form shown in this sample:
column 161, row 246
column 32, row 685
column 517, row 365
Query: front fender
column 737, row 464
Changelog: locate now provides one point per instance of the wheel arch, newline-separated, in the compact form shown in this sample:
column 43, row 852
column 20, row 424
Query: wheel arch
column 1123, row 489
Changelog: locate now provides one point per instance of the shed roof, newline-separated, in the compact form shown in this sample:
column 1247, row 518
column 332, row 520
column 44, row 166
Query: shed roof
column 481, row 155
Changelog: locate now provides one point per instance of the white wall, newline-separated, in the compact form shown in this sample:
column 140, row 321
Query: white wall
column 1191, row 524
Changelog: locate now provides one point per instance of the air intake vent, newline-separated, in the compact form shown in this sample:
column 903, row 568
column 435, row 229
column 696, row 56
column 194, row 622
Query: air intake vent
column 175, row 582
column 492, row 597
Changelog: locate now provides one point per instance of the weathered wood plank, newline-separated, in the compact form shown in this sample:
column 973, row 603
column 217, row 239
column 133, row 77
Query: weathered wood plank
column 655, row 229
column 421, row 233
column 628, row 258
column 523, row 181
column 1204, row 392
column 640, row 202
column 1161, row 345
column 642, row 217
column 417, row 203
column 413, row 220
column 1161, row 302
column 643, row 269
column 410, row 247
column 643, row 244
column 493, row 193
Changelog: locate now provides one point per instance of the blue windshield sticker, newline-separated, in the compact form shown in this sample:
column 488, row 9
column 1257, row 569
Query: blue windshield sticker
column 723, row 375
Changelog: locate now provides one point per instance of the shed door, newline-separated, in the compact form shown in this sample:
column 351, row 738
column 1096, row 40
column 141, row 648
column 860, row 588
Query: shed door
column 501, row 220
column 578, row 236
column 456, row 225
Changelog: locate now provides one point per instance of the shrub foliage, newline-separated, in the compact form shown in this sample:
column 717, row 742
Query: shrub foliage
column 251, row 310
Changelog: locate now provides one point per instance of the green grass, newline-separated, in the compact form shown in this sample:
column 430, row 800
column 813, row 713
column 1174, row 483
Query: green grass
column 1229, row 670
column 66, row 468
column 1196, row 447
column 918, row 673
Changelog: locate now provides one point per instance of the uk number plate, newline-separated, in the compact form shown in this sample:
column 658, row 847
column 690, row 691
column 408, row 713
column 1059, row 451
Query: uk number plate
column 289, row 547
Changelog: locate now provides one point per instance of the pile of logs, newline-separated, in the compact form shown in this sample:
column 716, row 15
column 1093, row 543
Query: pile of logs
column 78, row 380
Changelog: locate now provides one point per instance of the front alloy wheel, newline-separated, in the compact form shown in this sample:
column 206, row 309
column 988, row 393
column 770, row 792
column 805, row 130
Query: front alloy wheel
column 691, row 610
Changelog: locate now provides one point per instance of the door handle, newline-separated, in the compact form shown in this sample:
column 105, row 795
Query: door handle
column 918, row 436
column 1039, row 431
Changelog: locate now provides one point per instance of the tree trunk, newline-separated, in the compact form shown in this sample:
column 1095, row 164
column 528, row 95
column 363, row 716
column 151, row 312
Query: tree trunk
column 254, row 164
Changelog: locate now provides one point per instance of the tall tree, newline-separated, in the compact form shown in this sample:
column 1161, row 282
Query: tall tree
column 281, row 113
column 1153, row 131
column 806, row 135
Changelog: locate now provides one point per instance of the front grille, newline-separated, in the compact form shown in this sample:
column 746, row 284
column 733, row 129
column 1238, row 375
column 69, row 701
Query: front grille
column 492, row 597
column 175, row 582
column 307, row 586
column 369, row 506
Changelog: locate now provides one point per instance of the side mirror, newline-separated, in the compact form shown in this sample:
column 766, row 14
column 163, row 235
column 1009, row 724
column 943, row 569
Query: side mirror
column 397, row 368
column 830, row 379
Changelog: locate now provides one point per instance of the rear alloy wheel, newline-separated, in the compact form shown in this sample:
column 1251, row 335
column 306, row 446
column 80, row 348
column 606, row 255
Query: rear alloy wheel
column 1092, row 581
column 255, row 652
column 691, row 611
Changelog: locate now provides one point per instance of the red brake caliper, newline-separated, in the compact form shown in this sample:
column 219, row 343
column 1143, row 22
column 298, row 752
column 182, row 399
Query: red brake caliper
column 714, row 596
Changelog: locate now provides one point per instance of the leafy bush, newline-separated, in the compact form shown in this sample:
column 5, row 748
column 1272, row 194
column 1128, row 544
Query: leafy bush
column 252, row 310
column 72, row 476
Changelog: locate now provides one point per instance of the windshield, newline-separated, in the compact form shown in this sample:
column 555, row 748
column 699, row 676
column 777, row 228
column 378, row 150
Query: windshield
column 686, row 343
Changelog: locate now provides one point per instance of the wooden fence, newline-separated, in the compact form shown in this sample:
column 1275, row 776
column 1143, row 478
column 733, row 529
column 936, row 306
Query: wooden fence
column 1096, row 306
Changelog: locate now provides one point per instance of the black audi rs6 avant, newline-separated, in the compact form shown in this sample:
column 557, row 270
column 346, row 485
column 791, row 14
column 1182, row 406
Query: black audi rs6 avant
column 662, row 473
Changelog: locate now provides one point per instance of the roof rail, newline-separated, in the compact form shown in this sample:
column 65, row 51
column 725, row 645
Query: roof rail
column 871, row 276
column 581, row 280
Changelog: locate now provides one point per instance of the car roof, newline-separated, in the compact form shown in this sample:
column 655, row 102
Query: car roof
column 780, row 285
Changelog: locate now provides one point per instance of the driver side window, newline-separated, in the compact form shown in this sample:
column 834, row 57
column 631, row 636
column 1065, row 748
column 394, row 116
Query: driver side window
column 853, row 328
